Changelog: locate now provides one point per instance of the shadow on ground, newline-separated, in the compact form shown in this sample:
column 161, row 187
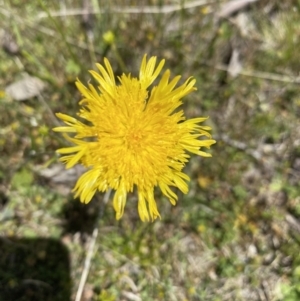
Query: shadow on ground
column 79, row 217
column 34, row 270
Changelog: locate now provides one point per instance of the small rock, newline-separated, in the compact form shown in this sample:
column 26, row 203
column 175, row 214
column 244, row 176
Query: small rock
column 25, row 88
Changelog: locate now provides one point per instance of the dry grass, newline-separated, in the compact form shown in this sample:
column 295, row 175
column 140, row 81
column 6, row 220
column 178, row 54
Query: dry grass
column 235, row 236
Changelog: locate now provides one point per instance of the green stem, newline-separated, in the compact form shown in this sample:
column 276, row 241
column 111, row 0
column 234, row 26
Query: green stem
column 60, row 31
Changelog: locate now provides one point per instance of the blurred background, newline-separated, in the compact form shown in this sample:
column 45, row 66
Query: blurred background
column 236, row 234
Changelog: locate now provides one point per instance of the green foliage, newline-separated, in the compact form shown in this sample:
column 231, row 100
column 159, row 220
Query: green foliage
column 22, row 179
column 291, row 291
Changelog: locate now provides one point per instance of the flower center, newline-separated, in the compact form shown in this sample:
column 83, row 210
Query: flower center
column 134, row 139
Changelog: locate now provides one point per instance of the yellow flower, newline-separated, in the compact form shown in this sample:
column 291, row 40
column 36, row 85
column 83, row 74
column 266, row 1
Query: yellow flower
column 133, row 136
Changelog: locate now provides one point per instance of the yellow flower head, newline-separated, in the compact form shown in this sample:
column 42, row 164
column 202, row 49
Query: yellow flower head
column 133, row 136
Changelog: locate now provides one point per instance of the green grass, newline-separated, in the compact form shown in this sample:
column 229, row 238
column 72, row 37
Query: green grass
column 235, row 236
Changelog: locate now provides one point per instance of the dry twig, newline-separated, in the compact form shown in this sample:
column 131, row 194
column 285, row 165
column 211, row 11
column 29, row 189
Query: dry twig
column 90, row 252
column 263, row 75
column 165, row 9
